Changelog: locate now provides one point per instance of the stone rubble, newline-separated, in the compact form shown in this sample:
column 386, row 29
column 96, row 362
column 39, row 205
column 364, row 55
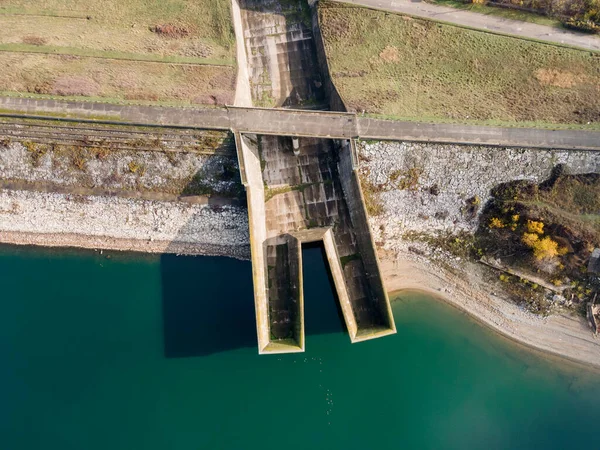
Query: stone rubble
column 153, row 170
column 450, row 175
column 224, row 227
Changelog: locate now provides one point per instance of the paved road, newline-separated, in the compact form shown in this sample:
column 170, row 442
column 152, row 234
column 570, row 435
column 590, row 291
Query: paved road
column 479, row 135
column 305, row 123
column 484, row 22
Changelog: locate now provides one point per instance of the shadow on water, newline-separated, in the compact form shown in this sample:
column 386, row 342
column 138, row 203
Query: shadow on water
column 323, row 314
column 208, row 303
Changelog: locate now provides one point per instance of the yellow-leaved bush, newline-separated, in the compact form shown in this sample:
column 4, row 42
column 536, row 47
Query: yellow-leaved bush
column 535, row 227
column 545, row 248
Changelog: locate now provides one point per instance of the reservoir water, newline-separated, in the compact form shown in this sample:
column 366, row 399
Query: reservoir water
column 126, row 351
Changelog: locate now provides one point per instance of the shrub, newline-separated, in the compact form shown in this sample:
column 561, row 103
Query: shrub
column 102, row 153
column 545, row 248
column 36, row 152
column 529, row 239
column 495, row 222
column 535, row 227
column 137, row 168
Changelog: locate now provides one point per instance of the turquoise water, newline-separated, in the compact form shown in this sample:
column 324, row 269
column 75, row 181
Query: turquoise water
column 149, row 352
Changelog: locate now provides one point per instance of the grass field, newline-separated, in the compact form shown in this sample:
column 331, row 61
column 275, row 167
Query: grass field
column 392, row 65
column 71, row 76
column 187, row 46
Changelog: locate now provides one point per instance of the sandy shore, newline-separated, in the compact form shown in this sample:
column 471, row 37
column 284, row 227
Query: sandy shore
column 561, row 335
column 565, row 336
column 121, row 244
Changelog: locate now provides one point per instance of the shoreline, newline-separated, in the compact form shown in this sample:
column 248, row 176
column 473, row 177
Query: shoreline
column 90, row 242
column 560, row 336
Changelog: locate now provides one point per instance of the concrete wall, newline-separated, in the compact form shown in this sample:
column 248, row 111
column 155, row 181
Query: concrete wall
column 337, row 273
column 256, row 212
column 295, row 263
column 355, row 200
column 336, row 103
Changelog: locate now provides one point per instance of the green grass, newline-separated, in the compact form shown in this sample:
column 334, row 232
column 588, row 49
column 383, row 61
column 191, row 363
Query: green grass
column 397, row 67
column 505, row 13
column 91, row 53
column 93, row 99
column 349, row 258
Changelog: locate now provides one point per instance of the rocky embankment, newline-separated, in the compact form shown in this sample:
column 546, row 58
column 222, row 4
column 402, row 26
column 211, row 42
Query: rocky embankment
column 159, row 199
column 55, row 219
column 425, row 198
column 144, row 171
column 436, row 189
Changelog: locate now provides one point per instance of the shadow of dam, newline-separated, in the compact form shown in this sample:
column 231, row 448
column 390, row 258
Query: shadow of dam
column 214, row 312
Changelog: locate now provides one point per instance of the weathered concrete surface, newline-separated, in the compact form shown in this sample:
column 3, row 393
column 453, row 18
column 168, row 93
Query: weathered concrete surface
column 474, row 134
column 348, row 175
column 484, row 22
column 243, row 96
column 337, row 273
column 255, row 196
column 302, row 199
column 305, row 192
column 281, row 54
column 286, row 300
column 284, row 122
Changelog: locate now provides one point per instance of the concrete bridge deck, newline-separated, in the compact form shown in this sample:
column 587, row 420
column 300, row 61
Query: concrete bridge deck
column 307, row 123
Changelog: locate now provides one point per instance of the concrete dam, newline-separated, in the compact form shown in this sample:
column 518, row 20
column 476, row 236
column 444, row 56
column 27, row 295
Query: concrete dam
column 300, row 190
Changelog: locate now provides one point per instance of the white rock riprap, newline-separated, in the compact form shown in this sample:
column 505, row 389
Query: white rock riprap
column 448, row 176
column 171, row 226
column 136, row 170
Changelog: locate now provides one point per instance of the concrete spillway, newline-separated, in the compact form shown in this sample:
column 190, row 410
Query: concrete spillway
column 304, row 195
column 300, row 190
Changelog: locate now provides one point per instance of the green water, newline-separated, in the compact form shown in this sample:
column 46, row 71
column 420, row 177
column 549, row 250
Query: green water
column 146, row 352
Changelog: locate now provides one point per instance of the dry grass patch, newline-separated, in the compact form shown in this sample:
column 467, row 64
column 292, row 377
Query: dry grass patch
column 390, row 54
column 416, row 69
column 33, row 40
column 556, row 78
column 120, row 80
